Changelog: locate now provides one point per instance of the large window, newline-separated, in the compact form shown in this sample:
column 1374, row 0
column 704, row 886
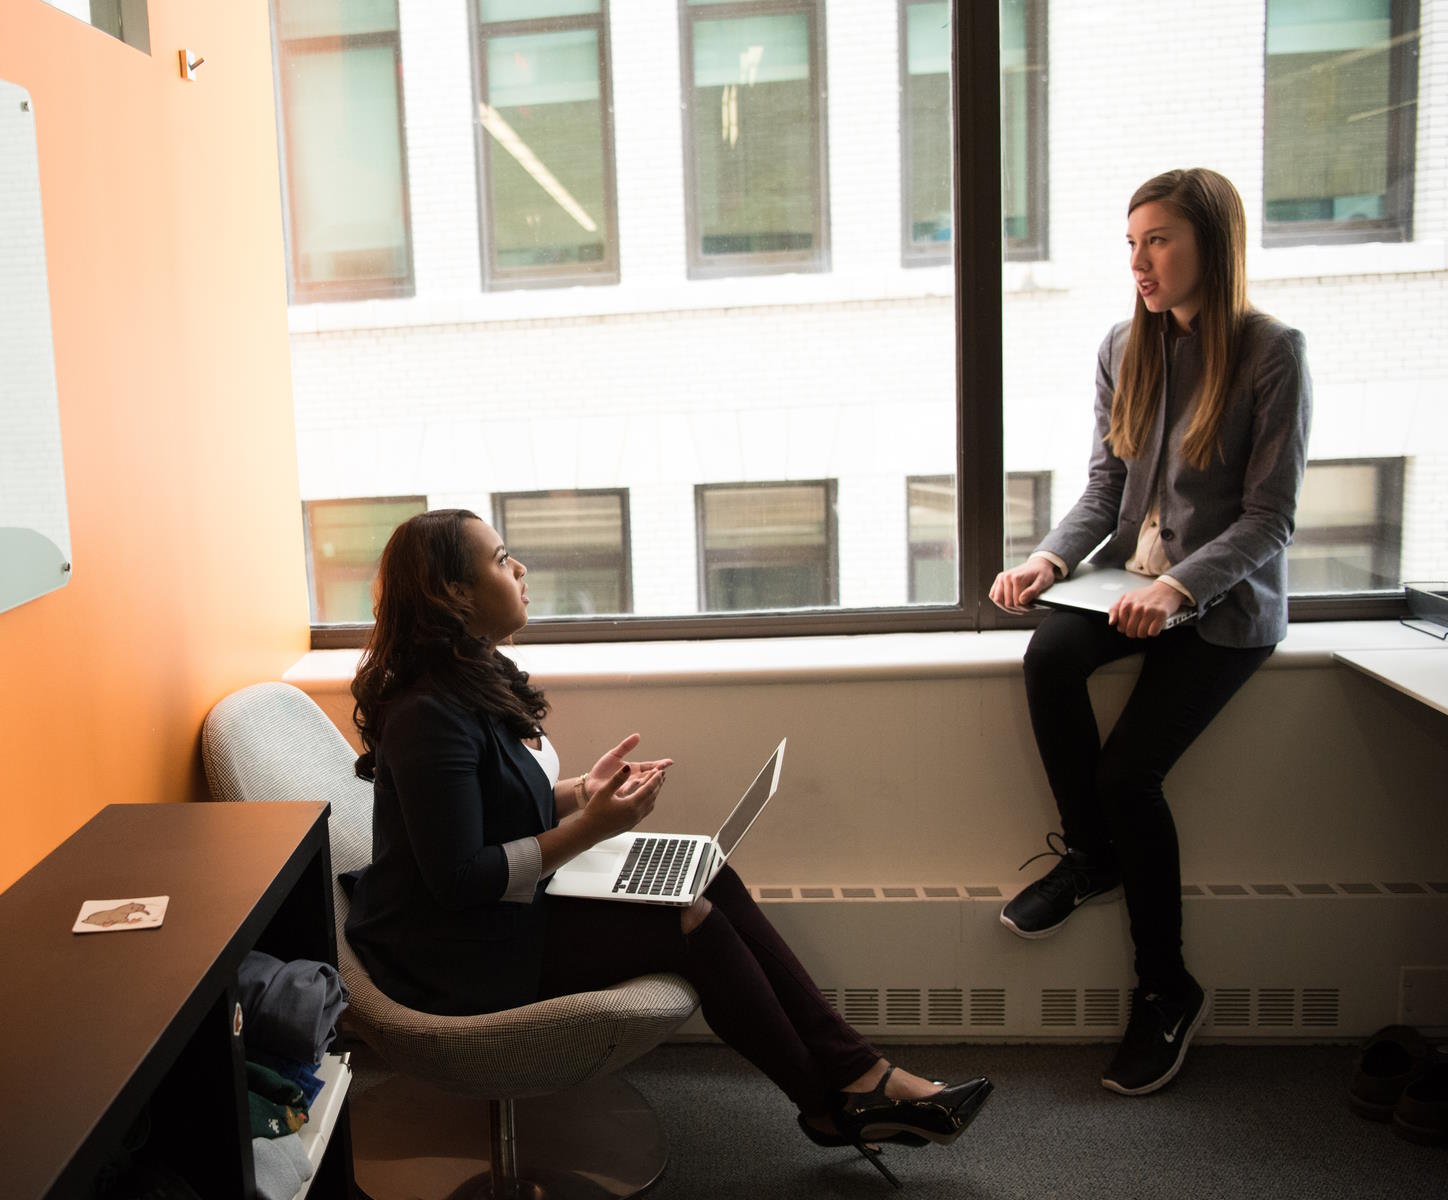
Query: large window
column 575, row 546
column 545, row 124
column 345, row 164
column 1349, row 535
column 766, row 546
column 1342, row 93
column 754, row 136
column 344, row 543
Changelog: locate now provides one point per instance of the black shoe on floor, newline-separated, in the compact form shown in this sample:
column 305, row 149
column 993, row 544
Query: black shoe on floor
column 1156, row 1041
column 1041, row 908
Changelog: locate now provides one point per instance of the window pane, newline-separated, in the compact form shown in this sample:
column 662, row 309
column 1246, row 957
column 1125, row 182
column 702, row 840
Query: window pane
column 1329, row 111
column 345, row 539
column 544, row 119
column 754, row 135
column 533, row 10
column 927, row 99
column 1349, row 528
column 932, row 536
column 345, row 159
column 574, row 546
column 766, row 547
column 1017, row 100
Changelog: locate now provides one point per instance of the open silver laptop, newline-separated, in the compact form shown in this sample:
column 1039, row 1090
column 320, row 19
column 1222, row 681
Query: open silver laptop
column 1095, row 589
column 665, row 868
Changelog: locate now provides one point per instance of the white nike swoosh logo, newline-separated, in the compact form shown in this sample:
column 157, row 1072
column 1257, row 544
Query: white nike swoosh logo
column 1171, row 1037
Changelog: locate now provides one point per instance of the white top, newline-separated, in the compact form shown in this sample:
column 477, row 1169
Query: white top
column 547, row 758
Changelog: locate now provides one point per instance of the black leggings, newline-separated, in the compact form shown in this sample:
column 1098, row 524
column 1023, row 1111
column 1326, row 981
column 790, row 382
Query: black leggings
column 754, row 993
column 1110, row 797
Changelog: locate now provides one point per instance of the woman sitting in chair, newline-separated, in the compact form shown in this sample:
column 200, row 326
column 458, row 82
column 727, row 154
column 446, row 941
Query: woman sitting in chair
column 470, row 819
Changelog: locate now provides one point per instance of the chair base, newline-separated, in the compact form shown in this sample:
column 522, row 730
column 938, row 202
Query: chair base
column 598, row 1141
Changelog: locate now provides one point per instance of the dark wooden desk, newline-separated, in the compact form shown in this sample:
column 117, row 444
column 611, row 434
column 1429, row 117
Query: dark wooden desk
column 98, row 1026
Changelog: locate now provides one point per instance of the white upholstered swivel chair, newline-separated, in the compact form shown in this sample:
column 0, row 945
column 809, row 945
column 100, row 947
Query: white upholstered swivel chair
column 591, row 1136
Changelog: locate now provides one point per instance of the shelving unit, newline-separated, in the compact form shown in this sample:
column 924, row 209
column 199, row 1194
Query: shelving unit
column 105, row 1028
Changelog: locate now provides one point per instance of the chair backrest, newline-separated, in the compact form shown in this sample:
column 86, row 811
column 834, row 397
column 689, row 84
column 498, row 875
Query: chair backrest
column 270, row 741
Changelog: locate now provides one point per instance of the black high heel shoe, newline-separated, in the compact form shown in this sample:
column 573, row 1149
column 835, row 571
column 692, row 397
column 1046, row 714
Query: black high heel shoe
column 940, row 1118
column 870, row 1151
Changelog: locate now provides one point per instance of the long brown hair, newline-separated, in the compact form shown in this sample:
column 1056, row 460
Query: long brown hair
column 1211, row 205
column 421, row 631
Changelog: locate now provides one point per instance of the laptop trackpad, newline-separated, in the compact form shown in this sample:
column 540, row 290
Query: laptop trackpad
column 602, row 858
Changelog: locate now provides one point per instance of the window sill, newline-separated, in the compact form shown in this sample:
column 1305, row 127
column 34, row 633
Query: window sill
column 625, row 299
column 834, row 659
column 1357, row 258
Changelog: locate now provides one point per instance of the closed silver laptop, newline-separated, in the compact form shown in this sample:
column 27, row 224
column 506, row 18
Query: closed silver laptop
column 1095, row 589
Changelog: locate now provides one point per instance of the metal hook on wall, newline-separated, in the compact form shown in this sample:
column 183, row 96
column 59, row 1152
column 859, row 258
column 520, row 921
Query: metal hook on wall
column 189, row 64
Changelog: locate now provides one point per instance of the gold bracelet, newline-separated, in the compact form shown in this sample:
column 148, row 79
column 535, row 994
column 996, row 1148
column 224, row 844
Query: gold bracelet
column 580, row 793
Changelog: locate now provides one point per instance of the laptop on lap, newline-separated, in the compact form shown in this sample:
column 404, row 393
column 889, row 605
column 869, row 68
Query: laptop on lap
column 1095, row 589
column 665, row 868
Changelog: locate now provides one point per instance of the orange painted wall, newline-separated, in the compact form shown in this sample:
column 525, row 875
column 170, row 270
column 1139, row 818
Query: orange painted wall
column 168, row 296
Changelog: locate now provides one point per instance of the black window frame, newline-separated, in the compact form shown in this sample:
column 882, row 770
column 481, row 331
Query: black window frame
column 980, row 496
column 832, row 536
column 1397, row 225
column 400, row 287
column 721, row 266
column 500, row 517
column 494, row 277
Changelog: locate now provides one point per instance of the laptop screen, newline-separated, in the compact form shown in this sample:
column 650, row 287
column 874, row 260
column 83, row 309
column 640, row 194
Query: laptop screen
column 753, row 802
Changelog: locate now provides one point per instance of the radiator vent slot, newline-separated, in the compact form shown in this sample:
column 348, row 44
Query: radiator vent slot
column 1058, row 1007
column 1191, row 889
column 862, row 1006
column 1275, row 1008
column 832, row 997
column 1272, row 889
column 900, row 893
column 1406, row 889
column 817, row 893
column 945, row 1006
column 1232, row 1008
column 1226, row 889
column 1360, row 889
column 1317, row 889
column 776, row 893
column 988, row 1006
column 902, row 1006
column 1103, row 1008
column 942, row 893
column 1440, row 888
column 1320, row 1008
column 858, row 893
column 983, row 892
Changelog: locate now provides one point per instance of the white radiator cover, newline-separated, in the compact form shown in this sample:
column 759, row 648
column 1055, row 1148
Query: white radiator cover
column 1280, row 961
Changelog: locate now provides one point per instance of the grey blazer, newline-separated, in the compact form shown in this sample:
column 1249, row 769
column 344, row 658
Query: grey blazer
column 1226, row 528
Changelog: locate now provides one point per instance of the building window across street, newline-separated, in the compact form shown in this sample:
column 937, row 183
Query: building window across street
column 931, row 529
column 767, row 546
column 1349, row 535
column 1342, row 95
column 545, row 124
column 575, row 545
column 344, row 159
column 344, row 543
column 753, row 75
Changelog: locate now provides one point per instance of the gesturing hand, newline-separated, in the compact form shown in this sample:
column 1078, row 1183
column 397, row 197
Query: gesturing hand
column 1142, row 612
column 621, row 803
column 609, row 765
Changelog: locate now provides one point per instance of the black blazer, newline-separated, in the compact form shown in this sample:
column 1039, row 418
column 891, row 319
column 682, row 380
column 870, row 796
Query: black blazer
column 427, row 919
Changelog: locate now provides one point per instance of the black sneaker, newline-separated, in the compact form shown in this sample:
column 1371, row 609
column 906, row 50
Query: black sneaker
column 1041, row 908
column 1156, row 1041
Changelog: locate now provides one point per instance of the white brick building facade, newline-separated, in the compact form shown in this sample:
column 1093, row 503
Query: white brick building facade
column 658, row 383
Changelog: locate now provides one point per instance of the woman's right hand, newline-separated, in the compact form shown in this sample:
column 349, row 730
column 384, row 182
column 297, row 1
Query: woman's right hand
column 625, row 800
column 1013, row 590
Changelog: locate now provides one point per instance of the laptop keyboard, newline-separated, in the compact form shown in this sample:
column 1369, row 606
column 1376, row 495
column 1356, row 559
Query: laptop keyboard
column 656, row 866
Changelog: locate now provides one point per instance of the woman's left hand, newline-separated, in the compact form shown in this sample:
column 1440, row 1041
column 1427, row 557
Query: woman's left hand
column 1142, row 612
column 612, row 762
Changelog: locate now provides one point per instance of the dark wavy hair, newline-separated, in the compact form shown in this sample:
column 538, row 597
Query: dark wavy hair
column 421, row 633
